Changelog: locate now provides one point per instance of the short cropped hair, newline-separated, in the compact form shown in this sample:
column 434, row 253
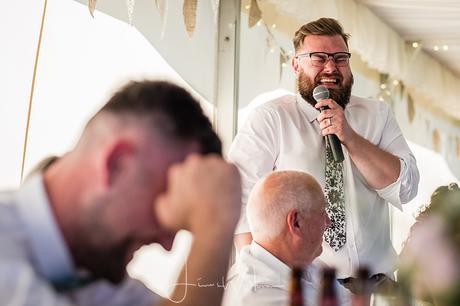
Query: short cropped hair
column 275, row 195
column 322, row 26
column 169, row 108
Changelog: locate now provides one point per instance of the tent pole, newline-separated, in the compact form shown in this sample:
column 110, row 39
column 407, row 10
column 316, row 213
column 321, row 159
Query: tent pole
column 227, row 77
column 29, row 111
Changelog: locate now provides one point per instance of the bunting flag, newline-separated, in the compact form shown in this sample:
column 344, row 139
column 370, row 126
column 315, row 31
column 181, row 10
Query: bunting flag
column 410, row 108
column 130, row 5
column 436, row 140
column 92, row 7
column 189, row 11
column 270, row 41
column 254, row 13
column 162, row 7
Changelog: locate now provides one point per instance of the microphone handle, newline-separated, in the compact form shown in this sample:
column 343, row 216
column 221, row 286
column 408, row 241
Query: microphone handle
column 336, row 147
column 335, row 144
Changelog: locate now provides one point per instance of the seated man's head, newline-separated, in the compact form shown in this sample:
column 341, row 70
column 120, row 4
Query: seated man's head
column 286, row 214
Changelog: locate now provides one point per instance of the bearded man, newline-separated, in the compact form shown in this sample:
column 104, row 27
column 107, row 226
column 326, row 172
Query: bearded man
column 288, row 133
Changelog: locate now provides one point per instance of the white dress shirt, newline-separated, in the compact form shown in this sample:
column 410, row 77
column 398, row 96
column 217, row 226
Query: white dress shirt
column 260, row 279
column 284, row 134
column 33, row 256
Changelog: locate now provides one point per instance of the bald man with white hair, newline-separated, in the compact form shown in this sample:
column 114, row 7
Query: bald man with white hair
column 287, row 217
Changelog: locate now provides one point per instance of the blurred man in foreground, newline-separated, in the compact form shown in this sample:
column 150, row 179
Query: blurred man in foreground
column 135, row 177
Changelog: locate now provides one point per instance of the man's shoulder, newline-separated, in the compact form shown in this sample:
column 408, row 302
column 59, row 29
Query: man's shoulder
column 12, row 231
column 15, row 263
column 254, row 272
column 279, row 103
column 284, row 106
column 249, row 283
column 129, row 292
column 9, row 216
column 367, row 111
column 367, row 103
column 268, row 111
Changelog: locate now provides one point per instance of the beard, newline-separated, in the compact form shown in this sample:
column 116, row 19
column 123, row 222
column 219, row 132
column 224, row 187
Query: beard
column 97, row 252
column 105, row 262
column 339, row 95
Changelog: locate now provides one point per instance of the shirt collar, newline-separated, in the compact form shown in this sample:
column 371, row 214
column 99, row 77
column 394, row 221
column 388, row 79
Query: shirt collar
column 311, row 271
column 307, row 108
column 274, row 263
column 48, row 248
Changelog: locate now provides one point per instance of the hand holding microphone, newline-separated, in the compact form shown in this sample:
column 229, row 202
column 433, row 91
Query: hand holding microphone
column 320, row 93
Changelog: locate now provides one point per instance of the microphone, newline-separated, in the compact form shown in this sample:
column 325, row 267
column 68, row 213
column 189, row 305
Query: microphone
column 320, row 93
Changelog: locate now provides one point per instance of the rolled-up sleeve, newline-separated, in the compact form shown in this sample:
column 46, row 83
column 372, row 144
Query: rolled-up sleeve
column 405, row 187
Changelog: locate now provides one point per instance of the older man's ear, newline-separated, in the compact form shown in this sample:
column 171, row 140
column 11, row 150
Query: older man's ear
column 293, row 222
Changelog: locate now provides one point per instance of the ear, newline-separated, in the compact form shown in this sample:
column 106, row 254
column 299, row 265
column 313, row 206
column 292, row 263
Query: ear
column 117, row 160
column 295, row 66
column 293, row 222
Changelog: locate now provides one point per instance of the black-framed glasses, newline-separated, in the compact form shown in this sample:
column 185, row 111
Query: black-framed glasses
column 319, row 59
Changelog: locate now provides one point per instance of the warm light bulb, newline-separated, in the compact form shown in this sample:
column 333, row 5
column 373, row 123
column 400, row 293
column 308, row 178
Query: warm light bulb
column 383, row 86
column 436, row 48
column 395, row 82
column 445, row 47
column 274, row 25
column 247, row 7
column 415, row 44
column 259, row 23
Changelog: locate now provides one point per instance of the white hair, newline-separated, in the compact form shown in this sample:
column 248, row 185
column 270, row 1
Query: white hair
column 274, row 196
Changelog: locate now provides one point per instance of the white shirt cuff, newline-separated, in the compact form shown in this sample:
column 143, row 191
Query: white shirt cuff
column 391, row 192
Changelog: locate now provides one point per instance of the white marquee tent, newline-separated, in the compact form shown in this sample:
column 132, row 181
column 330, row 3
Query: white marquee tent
column 59, row 65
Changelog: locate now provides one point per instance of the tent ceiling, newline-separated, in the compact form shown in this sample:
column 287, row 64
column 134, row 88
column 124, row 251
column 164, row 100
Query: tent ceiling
column 430, row 22
column 379, row 41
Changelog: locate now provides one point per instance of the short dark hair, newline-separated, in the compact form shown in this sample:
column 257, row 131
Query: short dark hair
column 322, row 26
column 171, row 109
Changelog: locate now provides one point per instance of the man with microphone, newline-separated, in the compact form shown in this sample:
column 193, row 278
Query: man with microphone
column 290, row 133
